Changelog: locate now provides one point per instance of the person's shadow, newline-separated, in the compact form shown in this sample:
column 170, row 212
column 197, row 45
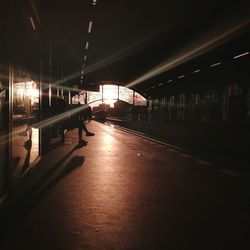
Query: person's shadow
column 27, row 145
column 74, row 163
column 12, row 216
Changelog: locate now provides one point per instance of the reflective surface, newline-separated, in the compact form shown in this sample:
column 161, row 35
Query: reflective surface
column 3, row 127
column 25, row 113
column 122, row 191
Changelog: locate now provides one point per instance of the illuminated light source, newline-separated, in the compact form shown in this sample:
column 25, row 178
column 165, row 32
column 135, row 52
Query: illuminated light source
column 32, row 23
column 94, row 2
column 90, row 26
column 170, row 81
column 215, row 64
column 196, row 71
column 241, row 55
column 160, row 84
column 153, row 87
column 182, row 76
column 110, row 92
column 85, row 57
column 87, row 45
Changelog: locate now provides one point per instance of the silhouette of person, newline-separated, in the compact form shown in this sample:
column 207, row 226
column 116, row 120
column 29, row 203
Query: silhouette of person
column 28, row 129
column 83, row 115
column 27, row 145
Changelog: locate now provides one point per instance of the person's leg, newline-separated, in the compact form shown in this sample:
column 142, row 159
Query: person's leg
column 86, row 131
column 80, row 140
column 61, row 133
column 84, row 128
column 80, row 133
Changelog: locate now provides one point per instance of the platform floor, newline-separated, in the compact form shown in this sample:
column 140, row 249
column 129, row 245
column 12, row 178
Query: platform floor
column 122, row 191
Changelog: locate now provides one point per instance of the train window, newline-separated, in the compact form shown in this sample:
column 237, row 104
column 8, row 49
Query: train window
column 25, row 113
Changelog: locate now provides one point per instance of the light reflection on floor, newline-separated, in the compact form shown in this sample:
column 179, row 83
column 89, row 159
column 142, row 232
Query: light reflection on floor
column 24, row 151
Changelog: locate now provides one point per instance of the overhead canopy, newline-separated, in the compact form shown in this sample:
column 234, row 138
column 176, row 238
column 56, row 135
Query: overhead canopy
column 133, row 42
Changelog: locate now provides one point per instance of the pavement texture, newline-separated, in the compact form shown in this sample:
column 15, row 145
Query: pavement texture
column 121, row 191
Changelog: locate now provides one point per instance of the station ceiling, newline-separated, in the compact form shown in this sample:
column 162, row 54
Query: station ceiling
column 131, row 42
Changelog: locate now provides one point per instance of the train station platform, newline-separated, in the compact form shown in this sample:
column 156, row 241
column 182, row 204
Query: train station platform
column 126, row 191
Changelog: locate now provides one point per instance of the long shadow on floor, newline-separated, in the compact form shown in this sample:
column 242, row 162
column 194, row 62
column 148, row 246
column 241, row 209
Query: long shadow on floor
column 74, row 163
column 17, row 211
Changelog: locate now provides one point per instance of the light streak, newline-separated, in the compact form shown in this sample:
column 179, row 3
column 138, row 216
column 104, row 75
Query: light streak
column 202, row 46
column 6, row 138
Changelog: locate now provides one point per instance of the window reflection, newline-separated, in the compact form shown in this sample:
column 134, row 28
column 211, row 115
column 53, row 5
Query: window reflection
column 25, row 135
column 3, row 132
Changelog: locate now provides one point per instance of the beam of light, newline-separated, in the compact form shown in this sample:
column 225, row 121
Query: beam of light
column 32, row 23
column 123, row 53
column 42, row 124
column 114, row 58
column 241, row 55
column 202, row 46
column 6, row 138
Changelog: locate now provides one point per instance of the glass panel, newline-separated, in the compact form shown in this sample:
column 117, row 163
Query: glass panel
column 126, row 94
column 94, row 96
column 25, row 113
column 110, row 92
column 3, row 132
column 75, row 99
column 140, row 100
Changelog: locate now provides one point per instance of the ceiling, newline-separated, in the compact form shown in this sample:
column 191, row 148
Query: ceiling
column 131, row 42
